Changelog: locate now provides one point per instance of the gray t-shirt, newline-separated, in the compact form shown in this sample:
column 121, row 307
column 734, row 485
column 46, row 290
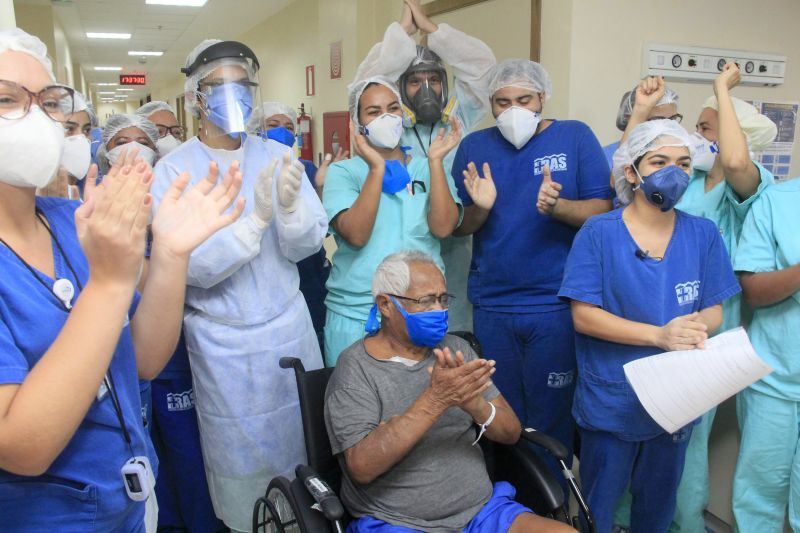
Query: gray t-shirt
column 442, row 483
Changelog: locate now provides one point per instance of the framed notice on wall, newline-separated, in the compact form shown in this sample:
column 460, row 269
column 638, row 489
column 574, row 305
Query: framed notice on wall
column 310, row 80
column 336, row 60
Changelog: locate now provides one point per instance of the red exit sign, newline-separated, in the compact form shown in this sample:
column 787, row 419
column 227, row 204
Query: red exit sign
column 132, row 79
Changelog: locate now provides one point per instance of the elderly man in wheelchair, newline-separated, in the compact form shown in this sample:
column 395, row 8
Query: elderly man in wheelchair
column 405, row 409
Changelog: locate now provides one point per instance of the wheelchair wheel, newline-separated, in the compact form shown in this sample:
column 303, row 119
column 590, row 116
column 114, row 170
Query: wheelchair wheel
column 274, row 512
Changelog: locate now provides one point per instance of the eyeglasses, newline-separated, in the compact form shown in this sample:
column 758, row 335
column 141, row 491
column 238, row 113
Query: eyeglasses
column 164, row 130
column 57, row 101
column 677, row 117
column 428, row 300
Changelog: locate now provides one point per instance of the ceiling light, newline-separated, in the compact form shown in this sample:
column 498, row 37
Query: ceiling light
column 123, row 89
column 108, row 68
column 184, row 3
column 106, row 92
column 144, row 53
column 102, row 35
column 106, row 84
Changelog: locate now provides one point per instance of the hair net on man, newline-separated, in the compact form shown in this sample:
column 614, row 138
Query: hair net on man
column 355, row 91
column 629, row 100
column 758, row 128
column 267, row 110
column 17, row 40
column 117, row 123
column 645, row 137
column 154, row 107
column 82, row 104
column 191, row 86
column 521, row 73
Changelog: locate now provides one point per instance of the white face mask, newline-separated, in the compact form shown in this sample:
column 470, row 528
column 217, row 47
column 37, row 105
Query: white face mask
column 517, row 125
column 705, row 152
column 385, row 131
column 145, row 152
column 30, row 149
column 166, row 144
column 77, row 155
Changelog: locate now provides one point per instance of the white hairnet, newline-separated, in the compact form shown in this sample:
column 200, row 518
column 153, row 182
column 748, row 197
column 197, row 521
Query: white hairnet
column 117, row 123
column 355, row 91
column 758, row 128
column 269, row 109
column 644, row 138
column 114, row 125
column 629, row 99
column 154, row 107
column 190, row 87
column 521, row 73
column 19, row 41
column 82, row 104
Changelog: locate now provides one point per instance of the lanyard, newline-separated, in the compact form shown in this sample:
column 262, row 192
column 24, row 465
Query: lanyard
column 108, row 380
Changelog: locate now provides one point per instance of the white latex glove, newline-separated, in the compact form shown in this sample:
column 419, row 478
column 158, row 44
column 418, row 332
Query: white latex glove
column 262, row 196
column 289, row 181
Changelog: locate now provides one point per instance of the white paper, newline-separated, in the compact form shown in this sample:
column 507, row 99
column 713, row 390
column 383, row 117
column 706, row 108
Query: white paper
column 677, row 387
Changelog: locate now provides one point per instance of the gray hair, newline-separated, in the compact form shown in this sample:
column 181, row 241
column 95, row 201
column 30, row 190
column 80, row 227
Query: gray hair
column 393, row 275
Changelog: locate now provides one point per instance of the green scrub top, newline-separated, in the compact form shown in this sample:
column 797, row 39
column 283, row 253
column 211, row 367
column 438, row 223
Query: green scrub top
column 401, row 223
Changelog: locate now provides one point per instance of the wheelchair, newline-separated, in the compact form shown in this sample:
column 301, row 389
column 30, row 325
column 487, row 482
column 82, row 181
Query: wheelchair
column 309, row 502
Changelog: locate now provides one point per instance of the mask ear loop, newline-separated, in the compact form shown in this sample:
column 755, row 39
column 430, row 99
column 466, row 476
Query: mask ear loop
column 641, row 179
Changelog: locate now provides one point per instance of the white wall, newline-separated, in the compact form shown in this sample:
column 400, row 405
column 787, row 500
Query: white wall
column 594, row 51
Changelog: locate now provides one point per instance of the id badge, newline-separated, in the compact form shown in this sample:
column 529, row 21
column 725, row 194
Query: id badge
column 137, row 476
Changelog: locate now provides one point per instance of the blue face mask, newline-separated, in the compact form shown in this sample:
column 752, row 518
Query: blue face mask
column 395, row 177
column 426, row 328
column 282, row 135
column 664, row 187
column 229, row 106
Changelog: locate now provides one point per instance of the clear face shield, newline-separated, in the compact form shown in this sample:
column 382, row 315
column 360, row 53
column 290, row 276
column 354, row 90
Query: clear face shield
column 227, row 98
column 226, row 88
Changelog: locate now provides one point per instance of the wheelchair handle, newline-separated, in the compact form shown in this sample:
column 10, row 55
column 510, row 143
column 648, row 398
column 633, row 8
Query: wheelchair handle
column 291, row 362
column 327, row 499
column 543, row 440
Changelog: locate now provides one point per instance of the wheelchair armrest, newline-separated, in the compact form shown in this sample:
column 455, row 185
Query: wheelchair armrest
column 543, row 440
column 291, row 362
column 328, row 501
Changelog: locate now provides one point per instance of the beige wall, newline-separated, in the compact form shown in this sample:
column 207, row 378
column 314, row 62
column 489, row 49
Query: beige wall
column 105, row 110
column 38, row 20
column 594, row 51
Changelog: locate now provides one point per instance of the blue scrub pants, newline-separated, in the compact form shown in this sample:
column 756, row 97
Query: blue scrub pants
column 340, row 333
column 693, row 489
column 652, row 468
column 767, row 477
column 495, row 516
column 181, row 487
column 535, row 355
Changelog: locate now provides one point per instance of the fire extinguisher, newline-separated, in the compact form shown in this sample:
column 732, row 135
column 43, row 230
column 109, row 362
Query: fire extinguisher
column 304, row 138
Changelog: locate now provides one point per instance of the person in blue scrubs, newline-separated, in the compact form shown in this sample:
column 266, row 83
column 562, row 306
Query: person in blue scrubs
column 767, row 480
column 642, row 279
column 725, row 182
column 380, row 202
column 665, row 107
column 542, row 180
column 74, row 333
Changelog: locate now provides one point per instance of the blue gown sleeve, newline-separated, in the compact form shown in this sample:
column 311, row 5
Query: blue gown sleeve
column 593, row 169
column 222, row 254
column 741, row 208
column 583, row 272
column 301, row 232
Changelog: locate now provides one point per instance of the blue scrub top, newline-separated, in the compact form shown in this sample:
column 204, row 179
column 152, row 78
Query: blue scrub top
column 83, row 489
column 604, row 270
column 770, row 241
column 609, row 150
column 314, row 271
column 518, row 255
